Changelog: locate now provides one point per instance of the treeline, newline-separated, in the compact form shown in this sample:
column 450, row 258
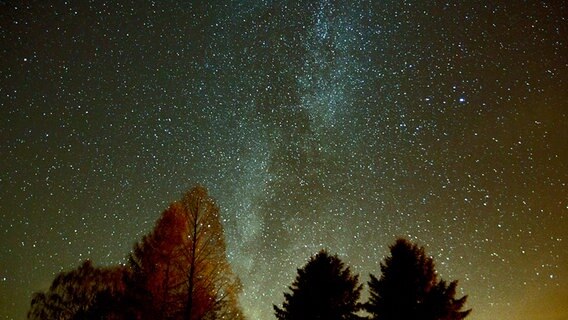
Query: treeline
column 177, row 271
column 408, row 289
column 180, row 271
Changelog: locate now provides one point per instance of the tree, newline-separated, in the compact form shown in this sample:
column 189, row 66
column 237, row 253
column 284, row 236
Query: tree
column 324, row 289
column 408, row 288
column 182, row 265
column 84, row 293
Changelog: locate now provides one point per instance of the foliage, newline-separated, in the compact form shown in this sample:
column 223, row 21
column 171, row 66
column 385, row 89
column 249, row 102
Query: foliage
column 180, row 271
column 323, row 289
column 177, row 271
column 182, row 265
column 84, row 293
column 409, row 289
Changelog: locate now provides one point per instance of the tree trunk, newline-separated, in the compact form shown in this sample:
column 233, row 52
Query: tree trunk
column 191, row 276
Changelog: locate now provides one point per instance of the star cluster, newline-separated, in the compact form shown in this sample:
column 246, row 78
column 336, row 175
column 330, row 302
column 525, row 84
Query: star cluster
column 313, row 124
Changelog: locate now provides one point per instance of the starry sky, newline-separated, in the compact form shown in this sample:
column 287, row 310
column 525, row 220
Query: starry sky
column 314, row 125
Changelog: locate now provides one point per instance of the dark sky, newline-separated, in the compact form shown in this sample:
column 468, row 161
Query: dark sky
column 322, row 125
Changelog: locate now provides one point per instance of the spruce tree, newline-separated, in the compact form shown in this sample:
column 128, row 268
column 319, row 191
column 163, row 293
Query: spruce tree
column 408, row 288
column 324, row 289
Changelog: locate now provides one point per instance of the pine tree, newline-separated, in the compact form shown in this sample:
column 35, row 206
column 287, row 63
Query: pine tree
column 324, row 289
column 408, row 288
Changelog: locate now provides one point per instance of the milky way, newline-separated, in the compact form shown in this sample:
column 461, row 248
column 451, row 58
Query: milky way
column 313, row 125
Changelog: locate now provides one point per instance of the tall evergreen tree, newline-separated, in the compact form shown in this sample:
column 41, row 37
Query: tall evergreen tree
column 408, row 288
column 324, row 289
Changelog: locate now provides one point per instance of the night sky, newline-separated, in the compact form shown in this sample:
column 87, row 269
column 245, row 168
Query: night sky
column 313, row 124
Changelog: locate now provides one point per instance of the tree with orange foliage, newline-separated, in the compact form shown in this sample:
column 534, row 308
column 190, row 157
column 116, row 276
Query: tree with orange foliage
column 181, row 266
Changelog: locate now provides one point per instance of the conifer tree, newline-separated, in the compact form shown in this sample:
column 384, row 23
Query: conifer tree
column 182, row 265
column 324, row 289
column 408, row 288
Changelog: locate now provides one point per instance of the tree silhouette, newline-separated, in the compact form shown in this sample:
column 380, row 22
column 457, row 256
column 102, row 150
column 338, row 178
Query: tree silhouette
column 182, row 265
column 84, row 293
column 408, row 288
column 324, row 289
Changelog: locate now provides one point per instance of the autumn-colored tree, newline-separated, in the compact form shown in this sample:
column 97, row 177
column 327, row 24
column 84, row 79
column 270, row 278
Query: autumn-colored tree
column 324, row 289
column 408, row 288
column 182, row 265
column 84, row 293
